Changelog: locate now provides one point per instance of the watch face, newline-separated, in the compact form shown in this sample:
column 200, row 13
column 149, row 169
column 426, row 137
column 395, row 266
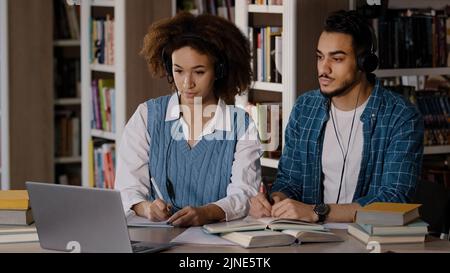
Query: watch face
column 321, row 209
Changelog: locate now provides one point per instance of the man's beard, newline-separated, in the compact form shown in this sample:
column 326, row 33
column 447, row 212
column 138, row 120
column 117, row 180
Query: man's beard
column 342, row 90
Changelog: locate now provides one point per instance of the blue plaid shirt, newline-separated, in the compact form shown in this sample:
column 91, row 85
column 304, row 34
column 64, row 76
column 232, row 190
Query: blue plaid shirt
column 392, row 149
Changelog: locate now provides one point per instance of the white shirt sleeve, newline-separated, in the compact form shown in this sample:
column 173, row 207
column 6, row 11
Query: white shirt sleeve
column 245, row 175
column 132, row 176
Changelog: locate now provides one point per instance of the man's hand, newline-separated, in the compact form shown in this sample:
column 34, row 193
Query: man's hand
column 292, row 209
column 155, row 211
column 190, row 216
column 259, row 206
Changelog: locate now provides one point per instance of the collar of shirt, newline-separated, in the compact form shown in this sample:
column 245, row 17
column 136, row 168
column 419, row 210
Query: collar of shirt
column 220, row 122
column 371, row 109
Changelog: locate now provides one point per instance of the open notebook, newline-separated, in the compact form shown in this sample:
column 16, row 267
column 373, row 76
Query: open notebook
column 250, row 223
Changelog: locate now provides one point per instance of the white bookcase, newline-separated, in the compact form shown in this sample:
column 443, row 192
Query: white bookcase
column 133, row 82
column 4, row 79
column 288, row 88
column 117, row 10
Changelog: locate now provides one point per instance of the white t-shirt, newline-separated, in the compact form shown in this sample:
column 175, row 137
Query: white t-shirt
column 333, row 159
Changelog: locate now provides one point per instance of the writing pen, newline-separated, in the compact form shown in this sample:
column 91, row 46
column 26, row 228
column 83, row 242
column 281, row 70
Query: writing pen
column 158, row 192
column 267, row 192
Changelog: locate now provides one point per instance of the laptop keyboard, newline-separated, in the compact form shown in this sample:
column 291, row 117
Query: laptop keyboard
column 141, row 248
column 149, row 247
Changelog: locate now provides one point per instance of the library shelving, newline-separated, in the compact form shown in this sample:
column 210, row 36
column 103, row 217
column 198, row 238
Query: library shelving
column 223, row 8
column 67, row 94
column 4, row 136
column 116, row 75
column 245, row 13
column 428, row 11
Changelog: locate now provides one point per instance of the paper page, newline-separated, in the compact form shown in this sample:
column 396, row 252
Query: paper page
column 336, row 225
column 196, row 235
column 136, row 221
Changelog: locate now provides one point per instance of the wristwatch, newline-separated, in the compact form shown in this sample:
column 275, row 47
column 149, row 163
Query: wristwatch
column 322, row 211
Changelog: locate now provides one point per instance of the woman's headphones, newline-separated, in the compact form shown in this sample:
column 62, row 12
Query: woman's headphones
column 219, row 66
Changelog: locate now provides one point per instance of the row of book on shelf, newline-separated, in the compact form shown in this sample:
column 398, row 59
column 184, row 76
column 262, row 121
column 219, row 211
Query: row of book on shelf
column 412, row 38
column 265, row 2
column 267, row 45
column 102, row 40
column 102, row 164
column 67, row 134
column 103, row 105
column 223, row 8
column 431, row 95
column 67, row 20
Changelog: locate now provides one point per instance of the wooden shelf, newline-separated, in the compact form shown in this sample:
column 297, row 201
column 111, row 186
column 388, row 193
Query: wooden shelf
column 68, row 101
column 103, row 134
column 412, row 71
column 276, row 9
column 270, row 163
column 103, row 68
column 68, row 160
column 268, row 86
column 436, row 150
column 66, row 43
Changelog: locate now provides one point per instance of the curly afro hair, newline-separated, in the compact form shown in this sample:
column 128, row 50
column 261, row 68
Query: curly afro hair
column 220, row 39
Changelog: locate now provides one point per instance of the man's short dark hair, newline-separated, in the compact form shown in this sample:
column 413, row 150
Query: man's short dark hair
column 355, row 25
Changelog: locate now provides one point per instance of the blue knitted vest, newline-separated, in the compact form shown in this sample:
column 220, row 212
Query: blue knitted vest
column 199, row 175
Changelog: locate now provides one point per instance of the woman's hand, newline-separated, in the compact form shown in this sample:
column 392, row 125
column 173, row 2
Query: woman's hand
column 155, row 211
column 190, row 216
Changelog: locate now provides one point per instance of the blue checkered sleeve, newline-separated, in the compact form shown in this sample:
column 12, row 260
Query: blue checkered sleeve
column 402, row 162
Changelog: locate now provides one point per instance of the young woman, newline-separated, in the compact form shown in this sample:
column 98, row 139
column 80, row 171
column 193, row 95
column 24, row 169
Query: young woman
column 202, row 155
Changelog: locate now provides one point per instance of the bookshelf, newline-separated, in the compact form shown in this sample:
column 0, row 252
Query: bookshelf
column 4, row 136
column 223, row 8
column 421, row 71
column 245, row 13
column 67, row 94
column 127, row 74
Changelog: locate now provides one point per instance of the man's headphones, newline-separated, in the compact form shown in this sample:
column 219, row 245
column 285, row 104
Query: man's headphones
column 367, row 60
column 219, row 66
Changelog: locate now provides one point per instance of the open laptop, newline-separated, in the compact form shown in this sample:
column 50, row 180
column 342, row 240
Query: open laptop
column 92, row 219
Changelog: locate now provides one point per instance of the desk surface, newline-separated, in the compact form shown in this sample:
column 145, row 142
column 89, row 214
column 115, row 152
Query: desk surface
column 350, row 245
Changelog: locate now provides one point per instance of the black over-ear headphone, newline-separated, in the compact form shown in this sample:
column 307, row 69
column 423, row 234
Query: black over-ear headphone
column 367, row 60
column 219, row 66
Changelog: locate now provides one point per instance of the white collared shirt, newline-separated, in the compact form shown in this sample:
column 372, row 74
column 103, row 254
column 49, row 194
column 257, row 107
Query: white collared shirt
column 132, row 176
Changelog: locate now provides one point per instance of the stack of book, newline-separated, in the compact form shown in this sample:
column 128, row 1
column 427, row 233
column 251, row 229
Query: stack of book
column 389, row 223
column 15, row 208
